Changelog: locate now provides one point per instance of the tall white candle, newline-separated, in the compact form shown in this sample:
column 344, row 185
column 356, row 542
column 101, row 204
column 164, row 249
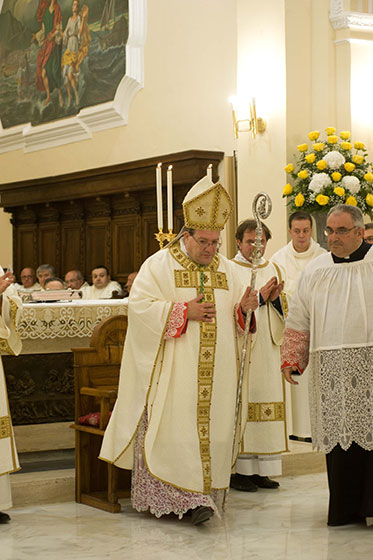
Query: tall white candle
column 169, row 198
column 158, row 176
column 209, row 171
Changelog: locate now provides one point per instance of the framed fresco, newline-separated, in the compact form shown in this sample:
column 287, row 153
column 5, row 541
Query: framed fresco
column 67, row 68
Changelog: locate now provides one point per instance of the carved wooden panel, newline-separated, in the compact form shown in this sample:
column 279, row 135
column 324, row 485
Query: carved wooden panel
column 98, row 216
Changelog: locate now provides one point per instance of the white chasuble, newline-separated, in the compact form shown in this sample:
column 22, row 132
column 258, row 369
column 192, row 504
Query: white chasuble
column 187, row 384
column 10, row 343
column 333, row 305
column 264, row 417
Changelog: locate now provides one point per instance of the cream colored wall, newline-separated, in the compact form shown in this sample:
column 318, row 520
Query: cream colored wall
column 262, row 74
column 190, row 72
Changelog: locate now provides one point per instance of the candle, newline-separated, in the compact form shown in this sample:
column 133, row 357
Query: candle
column 209, row 171
column 169, row 198
column 158, row 176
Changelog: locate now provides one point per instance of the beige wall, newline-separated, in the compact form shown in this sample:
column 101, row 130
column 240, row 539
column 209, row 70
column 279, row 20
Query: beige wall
column 261, row 73
column 190, row 72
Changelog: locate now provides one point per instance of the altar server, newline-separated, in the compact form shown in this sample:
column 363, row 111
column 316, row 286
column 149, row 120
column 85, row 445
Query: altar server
column 10, row 343
column 293, row 259
column 173, row 422
column 329, row 337
column 265, row 434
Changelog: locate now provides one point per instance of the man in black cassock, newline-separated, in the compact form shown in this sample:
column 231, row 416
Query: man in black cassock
column 329, row 333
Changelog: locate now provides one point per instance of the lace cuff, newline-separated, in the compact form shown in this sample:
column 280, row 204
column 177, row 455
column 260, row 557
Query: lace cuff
column 295, row 349
column 177, row 321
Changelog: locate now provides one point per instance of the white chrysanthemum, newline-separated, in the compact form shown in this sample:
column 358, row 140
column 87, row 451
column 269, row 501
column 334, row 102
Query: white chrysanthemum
column 319, row 181
column 334, row 159
column 352, row 184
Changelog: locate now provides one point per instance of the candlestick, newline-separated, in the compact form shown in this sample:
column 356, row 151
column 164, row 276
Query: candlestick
column 169, row 198
column 209, row 171
column 158, row 175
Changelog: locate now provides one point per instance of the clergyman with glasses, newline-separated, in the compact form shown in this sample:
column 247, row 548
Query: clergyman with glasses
column 329, row 337
column 173, row 421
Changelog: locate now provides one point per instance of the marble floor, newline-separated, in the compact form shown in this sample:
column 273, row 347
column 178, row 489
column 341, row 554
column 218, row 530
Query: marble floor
column 289, row 523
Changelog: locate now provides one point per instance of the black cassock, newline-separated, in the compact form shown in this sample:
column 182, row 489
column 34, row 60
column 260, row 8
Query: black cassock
column 350, row 473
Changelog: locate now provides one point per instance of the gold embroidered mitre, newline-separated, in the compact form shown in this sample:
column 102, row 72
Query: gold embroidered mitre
column 207, row 206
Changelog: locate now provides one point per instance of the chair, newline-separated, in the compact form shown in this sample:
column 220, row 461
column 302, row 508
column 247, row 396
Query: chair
column 96, row 372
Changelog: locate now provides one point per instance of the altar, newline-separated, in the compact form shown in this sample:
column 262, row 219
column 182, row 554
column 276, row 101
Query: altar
column 40, row 380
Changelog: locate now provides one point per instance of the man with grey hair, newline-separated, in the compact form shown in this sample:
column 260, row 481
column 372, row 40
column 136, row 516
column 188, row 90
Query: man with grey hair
column 329, row 336
column 43, row 272
column 74, row 280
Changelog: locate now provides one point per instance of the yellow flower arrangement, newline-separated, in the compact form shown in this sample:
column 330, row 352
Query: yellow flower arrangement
column 302, row 147
column 322, row 199
column 345, row 134
column 346, row 145
column 313, row 135
column 321, row 164
column 339, row 191
column 319, row 146
column 351, row 201
column 330, row 172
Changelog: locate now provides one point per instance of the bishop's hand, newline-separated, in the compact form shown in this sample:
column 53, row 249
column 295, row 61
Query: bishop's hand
column 287, row 371
column 201, row 311
column 5, row 281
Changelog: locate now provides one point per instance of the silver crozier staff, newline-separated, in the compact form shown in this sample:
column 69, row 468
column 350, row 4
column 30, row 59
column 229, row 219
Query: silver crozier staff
column 262, row 206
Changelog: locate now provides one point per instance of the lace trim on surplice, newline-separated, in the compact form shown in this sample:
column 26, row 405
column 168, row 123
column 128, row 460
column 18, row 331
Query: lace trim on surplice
column 341, row 398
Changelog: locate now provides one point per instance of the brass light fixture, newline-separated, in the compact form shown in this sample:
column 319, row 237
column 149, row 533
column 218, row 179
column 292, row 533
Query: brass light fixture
column 252, row 124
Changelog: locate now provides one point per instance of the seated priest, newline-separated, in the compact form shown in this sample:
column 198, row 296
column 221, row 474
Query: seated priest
column 173, row 423
column 54, row 283
column 130, row 280
column 74, row 280
column 10, row 343
column 28, row 281
column 43, row 272
column 103, row 287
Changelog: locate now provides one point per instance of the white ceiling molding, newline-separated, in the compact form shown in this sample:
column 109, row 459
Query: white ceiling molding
column 340, row 19
column 91, row 119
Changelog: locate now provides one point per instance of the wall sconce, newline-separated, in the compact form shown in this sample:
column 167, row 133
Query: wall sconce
column 253, row 124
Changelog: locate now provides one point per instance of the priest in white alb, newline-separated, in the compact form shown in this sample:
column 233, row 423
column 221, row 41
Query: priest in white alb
column 329, row 337
column 293, row 259
column 265, row 437
column 10, row 343
column 173, row 421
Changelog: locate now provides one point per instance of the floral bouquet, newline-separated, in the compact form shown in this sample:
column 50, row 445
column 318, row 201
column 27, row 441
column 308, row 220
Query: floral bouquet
column 331, row 172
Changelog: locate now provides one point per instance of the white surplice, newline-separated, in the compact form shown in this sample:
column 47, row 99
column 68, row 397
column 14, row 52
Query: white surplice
column 333, row 307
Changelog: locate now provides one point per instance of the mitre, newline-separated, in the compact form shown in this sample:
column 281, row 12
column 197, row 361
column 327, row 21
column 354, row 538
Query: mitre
column 207, row 206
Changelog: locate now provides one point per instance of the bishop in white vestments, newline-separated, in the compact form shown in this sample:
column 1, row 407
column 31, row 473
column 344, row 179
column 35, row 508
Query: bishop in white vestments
column 10, row 343
column 265, row 437
column 329, row 336
column 173, row 422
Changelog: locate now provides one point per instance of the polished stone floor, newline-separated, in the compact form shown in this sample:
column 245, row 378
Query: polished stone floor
column 289, row 523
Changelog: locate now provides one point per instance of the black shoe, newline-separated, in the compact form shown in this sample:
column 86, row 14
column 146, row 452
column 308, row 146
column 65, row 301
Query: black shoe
column 201, row 514
column 264, row 481
column 4, row 517
column 243, row 483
